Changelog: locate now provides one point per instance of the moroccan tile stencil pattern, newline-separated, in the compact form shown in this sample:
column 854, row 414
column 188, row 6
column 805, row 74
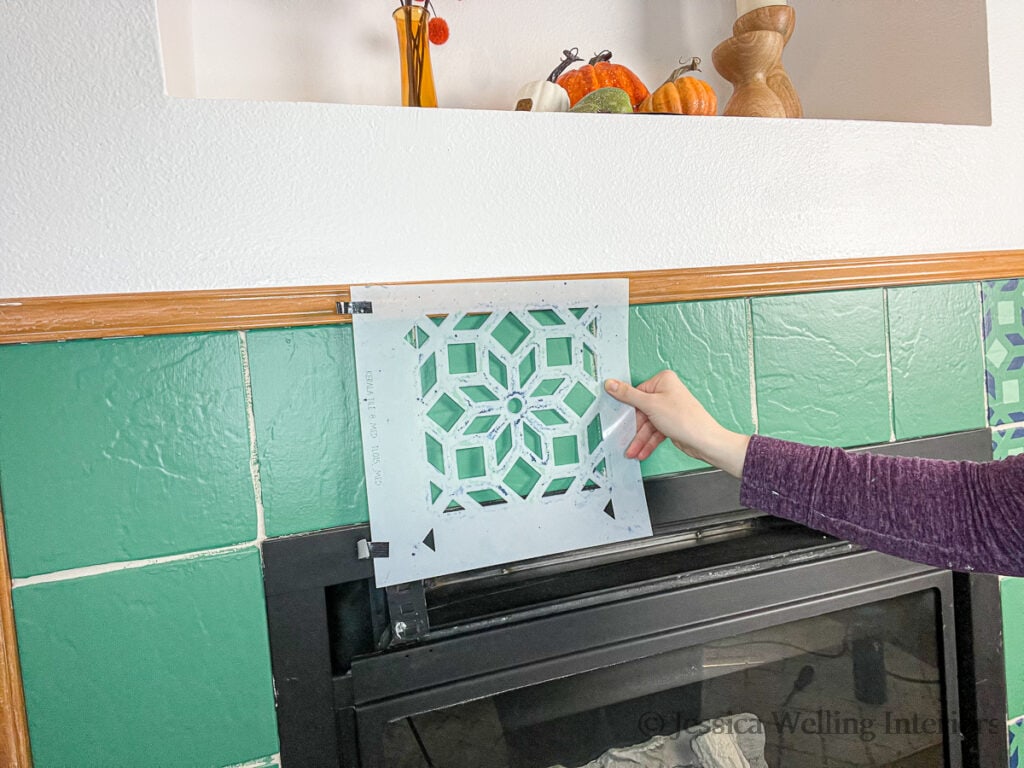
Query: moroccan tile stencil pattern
column 486, row 431
column 504, row 420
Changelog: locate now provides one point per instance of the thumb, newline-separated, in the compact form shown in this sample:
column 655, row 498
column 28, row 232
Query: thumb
column 625, row 393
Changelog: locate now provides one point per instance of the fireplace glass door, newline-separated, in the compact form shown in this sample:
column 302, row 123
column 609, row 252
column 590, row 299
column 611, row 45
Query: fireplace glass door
column 862, row 686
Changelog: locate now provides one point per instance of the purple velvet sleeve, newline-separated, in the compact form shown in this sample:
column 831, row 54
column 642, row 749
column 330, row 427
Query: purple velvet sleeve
column 967, row 516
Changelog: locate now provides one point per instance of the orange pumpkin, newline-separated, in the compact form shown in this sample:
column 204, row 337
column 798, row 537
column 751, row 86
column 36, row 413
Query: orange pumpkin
column 682, row 95
column 601, row 73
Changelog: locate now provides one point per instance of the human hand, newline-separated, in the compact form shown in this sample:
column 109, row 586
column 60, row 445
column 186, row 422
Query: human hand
column 665, row 408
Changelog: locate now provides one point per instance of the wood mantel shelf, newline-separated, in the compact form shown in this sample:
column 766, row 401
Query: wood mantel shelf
column 58, row 318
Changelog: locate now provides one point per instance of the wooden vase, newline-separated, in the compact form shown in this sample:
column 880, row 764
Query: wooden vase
column 745, row 61
column 781, row 19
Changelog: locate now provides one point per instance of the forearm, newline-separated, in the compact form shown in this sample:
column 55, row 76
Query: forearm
column 960, row 515
column 727, row 451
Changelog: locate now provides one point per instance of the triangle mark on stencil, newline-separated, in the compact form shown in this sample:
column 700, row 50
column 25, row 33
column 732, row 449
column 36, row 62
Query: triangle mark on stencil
column 429, row 541
column 609, row 509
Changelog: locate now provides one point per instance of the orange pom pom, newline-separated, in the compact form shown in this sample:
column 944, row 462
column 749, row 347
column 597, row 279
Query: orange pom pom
column 438, row 31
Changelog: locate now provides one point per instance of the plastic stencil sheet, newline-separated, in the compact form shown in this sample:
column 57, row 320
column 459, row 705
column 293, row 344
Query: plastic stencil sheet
column 487, row 434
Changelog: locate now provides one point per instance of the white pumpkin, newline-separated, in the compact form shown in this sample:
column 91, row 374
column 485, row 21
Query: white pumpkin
column 542, row 96
column 547, row 95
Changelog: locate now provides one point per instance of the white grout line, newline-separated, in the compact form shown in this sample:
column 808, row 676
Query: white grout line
column 749, row 307
column 888, row 365
column 96, row 570
column 984, row 357
column 259, row 762
column 254, row 460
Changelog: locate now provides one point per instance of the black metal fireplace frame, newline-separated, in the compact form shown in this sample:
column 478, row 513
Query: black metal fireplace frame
column 326, row 719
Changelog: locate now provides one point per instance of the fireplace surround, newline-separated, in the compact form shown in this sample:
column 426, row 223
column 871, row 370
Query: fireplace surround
column 836, row 650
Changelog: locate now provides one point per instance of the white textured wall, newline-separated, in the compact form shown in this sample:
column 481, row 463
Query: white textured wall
column 110, row 186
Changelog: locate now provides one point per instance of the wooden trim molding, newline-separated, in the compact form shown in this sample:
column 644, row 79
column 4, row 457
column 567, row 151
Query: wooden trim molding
column 14, row 744
column 132, row 314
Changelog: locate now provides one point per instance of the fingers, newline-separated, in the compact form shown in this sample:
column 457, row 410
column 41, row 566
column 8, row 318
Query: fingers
column 641, row 448
column 646, row 439
column 652, row 442
column 625, row 393
column 658, row 382
column 641, row 436
column 616, row 388
column 663, row 381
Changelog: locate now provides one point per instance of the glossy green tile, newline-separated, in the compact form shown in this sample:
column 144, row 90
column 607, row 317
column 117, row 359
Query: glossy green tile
column 1003, row 326
column 937, row 365
column 705, row 342
column 307, row 428
column 1013, row 643
column 123, row 449
column 162, row 665
column 820, row 367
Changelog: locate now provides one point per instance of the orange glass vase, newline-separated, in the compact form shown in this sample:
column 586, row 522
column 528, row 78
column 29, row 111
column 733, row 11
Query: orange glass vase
column 414, row 54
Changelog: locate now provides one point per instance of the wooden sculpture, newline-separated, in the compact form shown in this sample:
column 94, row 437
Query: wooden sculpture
column 745, row 61
column 781, row 19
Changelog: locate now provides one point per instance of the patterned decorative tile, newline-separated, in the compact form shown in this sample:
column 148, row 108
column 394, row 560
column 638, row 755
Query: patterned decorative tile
column 937, row 364
column 1007, row 442
column 1015, row 734
column 705, row 342
column 820, row 367
column 1003, row 325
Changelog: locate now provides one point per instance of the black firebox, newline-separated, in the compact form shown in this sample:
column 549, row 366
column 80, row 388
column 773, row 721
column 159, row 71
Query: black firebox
column 804, row 650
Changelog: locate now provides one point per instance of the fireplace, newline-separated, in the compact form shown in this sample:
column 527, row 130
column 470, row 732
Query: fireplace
column 797, row 648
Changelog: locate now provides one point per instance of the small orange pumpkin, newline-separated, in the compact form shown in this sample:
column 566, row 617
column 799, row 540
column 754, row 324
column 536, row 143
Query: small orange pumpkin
column 601, row 73
column 682, row 95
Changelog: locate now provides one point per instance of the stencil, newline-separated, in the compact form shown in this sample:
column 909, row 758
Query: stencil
column 487, row 435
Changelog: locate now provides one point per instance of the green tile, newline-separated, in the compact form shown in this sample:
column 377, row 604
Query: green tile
column 1003, row 326
column 162, row 665
column 937, row 367
column 307, row 428
column 705, row 342
column 123, row 449
column 1013, row 640
column 820, row 367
